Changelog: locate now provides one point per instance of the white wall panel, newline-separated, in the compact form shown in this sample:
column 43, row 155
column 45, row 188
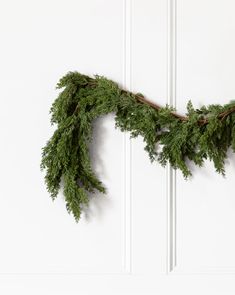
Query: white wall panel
column 205, row 74
column 40, row 42
column 149, row 76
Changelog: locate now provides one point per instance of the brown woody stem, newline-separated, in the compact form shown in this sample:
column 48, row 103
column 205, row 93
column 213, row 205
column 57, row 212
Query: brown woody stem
column 221, row 116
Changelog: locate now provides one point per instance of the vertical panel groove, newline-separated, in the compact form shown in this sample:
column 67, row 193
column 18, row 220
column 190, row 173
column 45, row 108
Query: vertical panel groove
column 171, row 100
column 127, row 83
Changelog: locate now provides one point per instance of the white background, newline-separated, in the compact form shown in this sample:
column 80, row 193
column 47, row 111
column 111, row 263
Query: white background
column 153, row 233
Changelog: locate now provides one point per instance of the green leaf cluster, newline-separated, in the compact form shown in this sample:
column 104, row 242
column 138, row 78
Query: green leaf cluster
column 205, row 133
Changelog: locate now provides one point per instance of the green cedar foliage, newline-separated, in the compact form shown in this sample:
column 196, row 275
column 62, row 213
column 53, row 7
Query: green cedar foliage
column 205, row 133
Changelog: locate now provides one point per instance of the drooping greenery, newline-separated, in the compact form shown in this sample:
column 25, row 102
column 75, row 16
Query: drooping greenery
column 204, row 133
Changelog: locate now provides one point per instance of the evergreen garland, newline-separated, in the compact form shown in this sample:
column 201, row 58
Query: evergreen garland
column 204, row 133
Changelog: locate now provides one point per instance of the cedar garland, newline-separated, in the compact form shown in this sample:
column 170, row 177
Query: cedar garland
column 201, row 134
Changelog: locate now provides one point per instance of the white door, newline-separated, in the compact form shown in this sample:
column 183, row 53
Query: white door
column 154, row 232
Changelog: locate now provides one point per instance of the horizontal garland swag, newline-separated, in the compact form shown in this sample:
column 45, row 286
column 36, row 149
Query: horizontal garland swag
column 204, row 133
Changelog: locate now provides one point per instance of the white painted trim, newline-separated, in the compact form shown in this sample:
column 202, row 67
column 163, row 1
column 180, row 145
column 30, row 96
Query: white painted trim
column 171, row 100
column 127, row 83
